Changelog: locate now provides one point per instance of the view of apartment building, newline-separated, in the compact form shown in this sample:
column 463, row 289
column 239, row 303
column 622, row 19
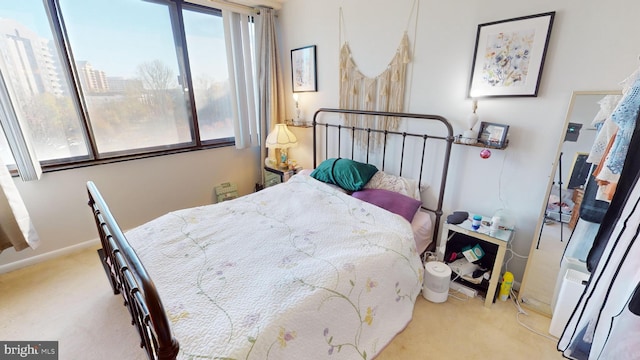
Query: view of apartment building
column 29, row 58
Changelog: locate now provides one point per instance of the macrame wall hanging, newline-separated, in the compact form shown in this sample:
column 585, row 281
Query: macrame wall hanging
column 384, row 92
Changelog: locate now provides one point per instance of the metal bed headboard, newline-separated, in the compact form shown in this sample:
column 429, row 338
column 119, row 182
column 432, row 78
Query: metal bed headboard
column 354, row 130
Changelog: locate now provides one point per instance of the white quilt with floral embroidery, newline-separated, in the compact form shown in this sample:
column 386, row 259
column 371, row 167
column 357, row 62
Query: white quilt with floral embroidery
column 295, row 271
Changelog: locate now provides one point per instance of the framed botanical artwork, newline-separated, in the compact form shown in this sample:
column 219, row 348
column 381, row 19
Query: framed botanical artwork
column 492, row 134
column 303, row 69
column 509, row 56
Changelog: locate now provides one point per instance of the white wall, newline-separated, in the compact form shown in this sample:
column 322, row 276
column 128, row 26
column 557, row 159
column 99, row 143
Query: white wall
column 136, row 191
column 591, row 48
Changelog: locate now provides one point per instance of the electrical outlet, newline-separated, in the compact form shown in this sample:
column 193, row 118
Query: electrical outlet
column 463, row 289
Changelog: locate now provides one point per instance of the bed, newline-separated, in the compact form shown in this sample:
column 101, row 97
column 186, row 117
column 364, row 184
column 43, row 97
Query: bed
column 300, row 270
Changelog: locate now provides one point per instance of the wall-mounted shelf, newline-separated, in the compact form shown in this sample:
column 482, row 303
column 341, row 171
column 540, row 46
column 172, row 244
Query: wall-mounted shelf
column 457, row 140
column 303, row 125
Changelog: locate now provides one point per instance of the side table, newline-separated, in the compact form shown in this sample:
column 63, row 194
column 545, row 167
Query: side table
column 494, row 244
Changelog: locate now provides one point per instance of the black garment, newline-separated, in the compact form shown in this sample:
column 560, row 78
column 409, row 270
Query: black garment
column 634, row 303
column 591, row 209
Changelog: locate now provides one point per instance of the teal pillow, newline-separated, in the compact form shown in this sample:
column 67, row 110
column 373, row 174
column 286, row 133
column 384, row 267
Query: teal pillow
column 348, row 174
column 324, row 171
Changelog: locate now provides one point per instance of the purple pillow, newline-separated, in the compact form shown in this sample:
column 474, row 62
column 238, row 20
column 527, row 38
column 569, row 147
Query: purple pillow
column 391, row 201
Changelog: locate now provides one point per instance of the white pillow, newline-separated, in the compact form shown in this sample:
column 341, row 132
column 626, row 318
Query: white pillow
column 404, row 186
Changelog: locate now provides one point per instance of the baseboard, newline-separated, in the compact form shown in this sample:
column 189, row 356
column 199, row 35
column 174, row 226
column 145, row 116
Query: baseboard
column 47, row 256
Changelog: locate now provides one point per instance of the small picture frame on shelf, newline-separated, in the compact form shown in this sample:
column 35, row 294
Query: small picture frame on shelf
column 492, row 134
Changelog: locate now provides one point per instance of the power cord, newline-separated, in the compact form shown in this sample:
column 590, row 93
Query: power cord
column 512, row 254
column 428, row 256
column 457, row 291
column 504, row 159
column 521, row 311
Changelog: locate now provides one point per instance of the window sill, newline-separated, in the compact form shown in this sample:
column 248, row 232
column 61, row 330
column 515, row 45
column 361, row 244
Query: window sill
column 86, row 163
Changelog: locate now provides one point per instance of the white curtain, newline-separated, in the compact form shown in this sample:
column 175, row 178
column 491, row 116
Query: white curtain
column 19, row 143
column 270, row 83
column 243, row 89
column 16, row 228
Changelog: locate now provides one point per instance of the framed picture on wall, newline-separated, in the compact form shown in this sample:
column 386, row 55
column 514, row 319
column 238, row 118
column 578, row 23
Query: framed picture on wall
column 492, row 134
column 303, row 69
column 509, row 56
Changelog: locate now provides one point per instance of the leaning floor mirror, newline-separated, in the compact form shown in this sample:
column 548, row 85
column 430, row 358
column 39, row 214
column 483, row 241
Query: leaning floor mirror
column 559, row 217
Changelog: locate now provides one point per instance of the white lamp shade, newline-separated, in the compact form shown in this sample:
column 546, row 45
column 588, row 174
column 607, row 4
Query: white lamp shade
column 281, row 138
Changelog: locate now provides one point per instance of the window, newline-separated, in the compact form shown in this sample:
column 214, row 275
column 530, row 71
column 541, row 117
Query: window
column 127, row 64
column 209, row 70
column 116, row 78
column 40, row 91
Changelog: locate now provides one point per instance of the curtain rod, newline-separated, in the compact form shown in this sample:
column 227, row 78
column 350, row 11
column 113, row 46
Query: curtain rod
column 227, row 5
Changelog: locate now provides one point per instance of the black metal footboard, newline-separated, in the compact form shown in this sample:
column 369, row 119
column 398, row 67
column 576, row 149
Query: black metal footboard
column 128, row 277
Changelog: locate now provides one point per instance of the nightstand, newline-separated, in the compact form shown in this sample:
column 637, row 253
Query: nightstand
column 273, row 176
column 454, row 238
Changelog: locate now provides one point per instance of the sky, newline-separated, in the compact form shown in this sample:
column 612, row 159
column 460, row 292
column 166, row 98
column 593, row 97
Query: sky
column 117, row 35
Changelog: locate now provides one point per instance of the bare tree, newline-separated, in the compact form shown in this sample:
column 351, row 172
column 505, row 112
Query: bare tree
column 155, row 75
column 158, row 82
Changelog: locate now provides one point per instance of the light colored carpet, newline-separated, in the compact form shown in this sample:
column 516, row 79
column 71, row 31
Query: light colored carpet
column 70, row 301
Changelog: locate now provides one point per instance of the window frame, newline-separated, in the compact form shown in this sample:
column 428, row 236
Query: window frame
column 70, row 71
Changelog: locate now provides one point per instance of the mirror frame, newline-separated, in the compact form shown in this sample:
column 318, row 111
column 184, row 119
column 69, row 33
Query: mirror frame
column 550, row 181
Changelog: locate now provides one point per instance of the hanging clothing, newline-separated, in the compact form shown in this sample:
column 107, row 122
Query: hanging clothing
column 607, row 294
column 624, row 116
column 591, row 213
column 592, row 209
column 606, row 188
column 592, row 331
column 624, row 186
column 606, row 128
column 625, row 327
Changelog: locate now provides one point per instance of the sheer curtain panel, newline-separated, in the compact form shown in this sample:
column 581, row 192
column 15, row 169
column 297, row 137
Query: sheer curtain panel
column 238, row 38
column 24, row 155
column 16, row 229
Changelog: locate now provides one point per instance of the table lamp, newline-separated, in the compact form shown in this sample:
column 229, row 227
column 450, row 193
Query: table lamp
column 469, row 136
column 281, row 138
